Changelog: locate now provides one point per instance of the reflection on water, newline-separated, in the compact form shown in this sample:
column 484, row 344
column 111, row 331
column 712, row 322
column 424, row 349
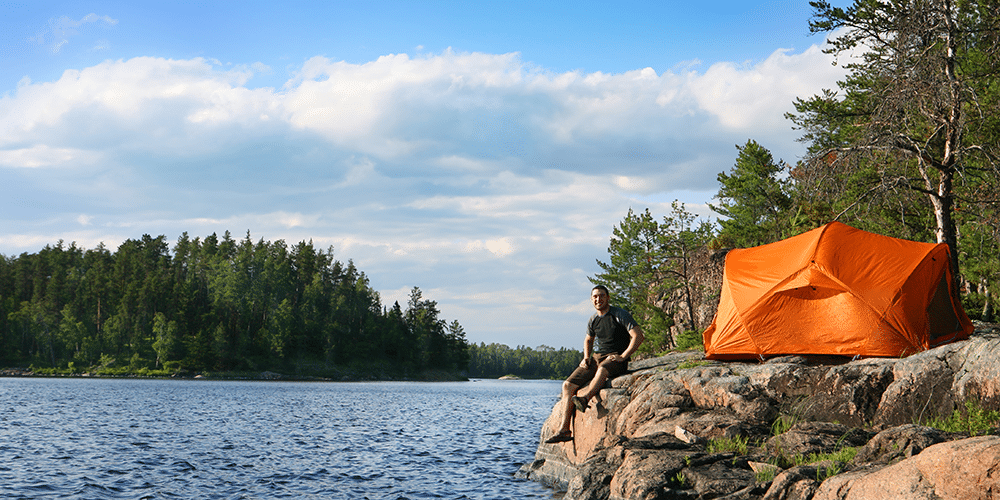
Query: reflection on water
column 87, row 438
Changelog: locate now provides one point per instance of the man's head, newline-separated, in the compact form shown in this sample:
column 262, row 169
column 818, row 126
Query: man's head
column 599, row 296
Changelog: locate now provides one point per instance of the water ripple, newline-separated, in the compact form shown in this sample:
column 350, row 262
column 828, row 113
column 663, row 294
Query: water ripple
column 111, row 439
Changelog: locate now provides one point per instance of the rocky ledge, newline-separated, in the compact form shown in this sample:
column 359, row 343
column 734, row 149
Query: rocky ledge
column 790, row 428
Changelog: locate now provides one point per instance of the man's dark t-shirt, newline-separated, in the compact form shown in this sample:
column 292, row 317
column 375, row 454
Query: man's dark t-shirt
column 611, row 330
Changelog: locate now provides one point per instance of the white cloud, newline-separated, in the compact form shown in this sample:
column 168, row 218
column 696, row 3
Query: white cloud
column 747, row 98
column 41, row 155
column 493, row 183
column 153, row 98
column 472, row 110
column 289, row 220
column 63, row 28
column 501, row 247
column 631, row 183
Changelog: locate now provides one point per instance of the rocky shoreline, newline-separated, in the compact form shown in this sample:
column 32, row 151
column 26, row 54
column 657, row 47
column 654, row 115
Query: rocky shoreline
column 790, row 428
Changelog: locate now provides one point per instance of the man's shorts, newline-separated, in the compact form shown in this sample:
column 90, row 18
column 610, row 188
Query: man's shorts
column 582, row 376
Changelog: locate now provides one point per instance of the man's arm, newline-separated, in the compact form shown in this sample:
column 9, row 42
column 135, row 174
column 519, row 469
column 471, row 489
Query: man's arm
column 588, row 349
column 636, row 340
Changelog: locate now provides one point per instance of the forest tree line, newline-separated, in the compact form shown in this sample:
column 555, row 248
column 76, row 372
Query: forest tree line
column 498, row 360
column 907, row 146
column 212, row 304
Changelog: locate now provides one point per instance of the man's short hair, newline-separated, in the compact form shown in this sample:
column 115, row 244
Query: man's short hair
column 601, row 288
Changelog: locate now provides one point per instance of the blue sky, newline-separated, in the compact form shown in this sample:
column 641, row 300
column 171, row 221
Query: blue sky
column 482, row 151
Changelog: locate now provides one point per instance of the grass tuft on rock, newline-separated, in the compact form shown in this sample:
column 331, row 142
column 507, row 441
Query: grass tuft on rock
column 974, row 421
column 735, row 444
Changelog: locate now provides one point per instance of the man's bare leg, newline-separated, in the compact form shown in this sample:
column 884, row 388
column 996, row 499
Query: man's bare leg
column 596, row 384
column 564, row 433
column 569, row 390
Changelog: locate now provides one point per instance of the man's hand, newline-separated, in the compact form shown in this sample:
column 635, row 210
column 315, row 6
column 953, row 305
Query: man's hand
column 585, row 363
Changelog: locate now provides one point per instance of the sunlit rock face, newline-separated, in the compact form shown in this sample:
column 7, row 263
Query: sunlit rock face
column 667, row 429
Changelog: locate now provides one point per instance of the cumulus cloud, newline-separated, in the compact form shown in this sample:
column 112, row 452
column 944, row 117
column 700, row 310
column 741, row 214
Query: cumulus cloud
column 490, row 183
column 745, row 97
column 448, row 111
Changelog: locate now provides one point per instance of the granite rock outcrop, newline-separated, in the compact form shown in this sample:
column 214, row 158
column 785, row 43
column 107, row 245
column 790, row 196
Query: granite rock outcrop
column 682, row 427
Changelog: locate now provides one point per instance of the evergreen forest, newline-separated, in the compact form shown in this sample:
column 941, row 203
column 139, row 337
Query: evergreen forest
column 498, row 360
column 214, row 305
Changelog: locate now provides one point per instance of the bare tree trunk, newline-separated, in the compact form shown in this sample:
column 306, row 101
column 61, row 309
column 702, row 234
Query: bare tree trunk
column 943, row 202
column 952, row 126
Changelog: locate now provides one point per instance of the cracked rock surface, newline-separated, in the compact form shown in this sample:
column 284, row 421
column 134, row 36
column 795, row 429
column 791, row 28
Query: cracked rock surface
column 811, row 429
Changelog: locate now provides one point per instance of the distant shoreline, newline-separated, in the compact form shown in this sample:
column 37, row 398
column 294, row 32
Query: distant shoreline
column 428, row 376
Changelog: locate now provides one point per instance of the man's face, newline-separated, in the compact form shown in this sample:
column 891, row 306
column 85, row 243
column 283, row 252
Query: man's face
column 600, row 299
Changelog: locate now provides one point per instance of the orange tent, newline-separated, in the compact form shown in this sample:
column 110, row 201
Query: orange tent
column 836, row 290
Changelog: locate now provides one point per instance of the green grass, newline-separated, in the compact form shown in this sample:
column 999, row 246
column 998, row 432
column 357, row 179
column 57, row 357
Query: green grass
column 783, row 424
column 735, row 444
column 680, row 479
column 101, row 371
column 691, row 363
column 841, row 456
column 845, row 454
column 974, row 421
column 768, row 474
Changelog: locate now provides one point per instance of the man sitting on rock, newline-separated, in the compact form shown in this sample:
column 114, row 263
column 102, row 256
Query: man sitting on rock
column 618, row 337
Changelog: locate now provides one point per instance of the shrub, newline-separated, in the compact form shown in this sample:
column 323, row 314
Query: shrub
column 689, row 341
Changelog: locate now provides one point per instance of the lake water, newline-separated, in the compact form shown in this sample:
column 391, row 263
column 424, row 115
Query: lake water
column 119, row 438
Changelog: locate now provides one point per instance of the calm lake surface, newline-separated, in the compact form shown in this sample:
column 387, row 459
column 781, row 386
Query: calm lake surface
column 112, row 438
